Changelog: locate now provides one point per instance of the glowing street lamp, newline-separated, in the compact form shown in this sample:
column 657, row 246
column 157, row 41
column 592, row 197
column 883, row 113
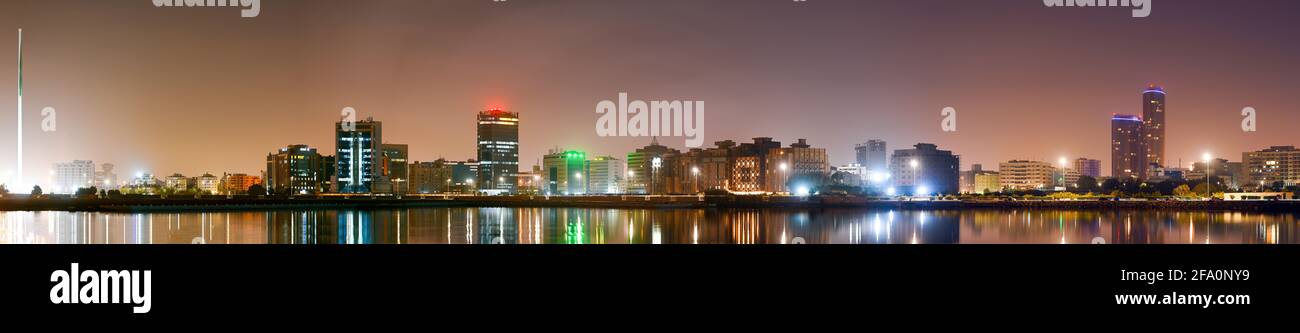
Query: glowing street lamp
column 1062, row 162
column 695, row 172
column 1209, row 184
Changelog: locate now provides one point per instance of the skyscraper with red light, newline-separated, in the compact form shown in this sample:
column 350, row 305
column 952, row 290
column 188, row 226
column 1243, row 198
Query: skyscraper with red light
column 498, row 151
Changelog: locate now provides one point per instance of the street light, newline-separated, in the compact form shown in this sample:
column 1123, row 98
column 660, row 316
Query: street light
column 1209, row 184
column 1062, row 161
column 695, row 171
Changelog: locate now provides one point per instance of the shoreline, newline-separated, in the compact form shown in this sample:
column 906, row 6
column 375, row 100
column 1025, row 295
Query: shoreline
column 223, row 203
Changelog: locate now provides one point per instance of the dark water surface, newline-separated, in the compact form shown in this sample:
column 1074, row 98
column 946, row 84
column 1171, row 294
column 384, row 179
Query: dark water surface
column 633, row 226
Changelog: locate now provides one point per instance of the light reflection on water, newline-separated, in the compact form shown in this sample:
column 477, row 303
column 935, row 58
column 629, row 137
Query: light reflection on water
column 632, row 226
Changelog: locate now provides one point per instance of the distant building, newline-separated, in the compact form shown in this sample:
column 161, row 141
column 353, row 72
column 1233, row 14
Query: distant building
column 498, row 150
column 463, row 175
column 564, row 173
column 530, row 183
column 987, row 182
column 641, row 168
column 106, row 178
column 328, row 173
column 72, row 176
column 238, row 183
column 752, row 167
column 360, row 157
column 926, row 170
column 1027, row 175
column 605, row 175
column 796, row 168
column 395, row 166
column 970, row 181
column 873, row 155
column 1128, row 155
column 294, row 170
column 851, row 175
column 1088, row 167
column 208, row 184
column 1153, row 124
column 430, row 177
column 177, row 182
column 1277, row 165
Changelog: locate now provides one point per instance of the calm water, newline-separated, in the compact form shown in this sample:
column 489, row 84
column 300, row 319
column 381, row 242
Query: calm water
column 623, row 226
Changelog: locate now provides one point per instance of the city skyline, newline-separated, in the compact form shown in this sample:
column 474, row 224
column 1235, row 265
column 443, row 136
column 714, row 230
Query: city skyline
column 168, row 98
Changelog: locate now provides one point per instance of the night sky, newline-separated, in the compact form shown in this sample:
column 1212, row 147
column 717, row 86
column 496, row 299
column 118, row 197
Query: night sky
column 196, row 90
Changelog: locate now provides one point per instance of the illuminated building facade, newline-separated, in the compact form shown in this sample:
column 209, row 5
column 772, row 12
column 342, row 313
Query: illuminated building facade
column 208, row 184
column 564, row 173
column 238, row 183
column 294, row 170
column 1027, row 175
column 430, row 177
column 1088, row 167
column 359, row 157
column 1268, row 168
column 925, row 170
column 72, row 176
column 605, row 175
column 1153, row 124
column 641, row 171
column 498, row 150
column 796, row 169
column 395, row 166
column 1128, row 155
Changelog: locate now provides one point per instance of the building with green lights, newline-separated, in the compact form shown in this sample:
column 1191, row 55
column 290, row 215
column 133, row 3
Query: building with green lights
column 564, row 173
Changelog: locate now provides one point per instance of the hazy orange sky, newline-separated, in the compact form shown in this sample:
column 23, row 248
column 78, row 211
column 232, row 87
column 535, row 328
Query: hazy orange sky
column 195, row 90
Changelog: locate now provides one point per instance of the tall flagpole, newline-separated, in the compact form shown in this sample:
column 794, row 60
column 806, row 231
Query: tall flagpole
column 19, row 171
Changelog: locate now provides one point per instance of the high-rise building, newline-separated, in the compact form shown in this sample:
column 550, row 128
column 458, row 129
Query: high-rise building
column 1153, row 124
column 238, row 183
column 498, row 150
column 294, row 170
column 1277, row 165
column 605, row 175
column 1128, row 154
column 564, row 173
column 1027, row 175
column 641, row 170
column 796, row 169
column 926, row 170
column 1088, row 167
column 873, row 155
column 395, row 166
column 360, row 157
column 73, row 176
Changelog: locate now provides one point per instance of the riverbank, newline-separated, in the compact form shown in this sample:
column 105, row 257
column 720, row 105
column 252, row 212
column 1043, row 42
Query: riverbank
column 223, row 203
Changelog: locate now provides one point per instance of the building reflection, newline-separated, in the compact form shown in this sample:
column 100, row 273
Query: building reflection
column 646, row 226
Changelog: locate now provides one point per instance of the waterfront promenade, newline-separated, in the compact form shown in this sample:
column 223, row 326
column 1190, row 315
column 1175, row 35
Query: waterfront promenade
column 213, row 203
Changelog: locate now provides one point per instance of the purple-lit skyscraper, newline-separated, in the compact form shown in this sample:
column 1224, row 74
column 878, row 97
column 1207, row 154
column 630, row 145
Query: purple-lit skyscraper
column 1128, row 154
